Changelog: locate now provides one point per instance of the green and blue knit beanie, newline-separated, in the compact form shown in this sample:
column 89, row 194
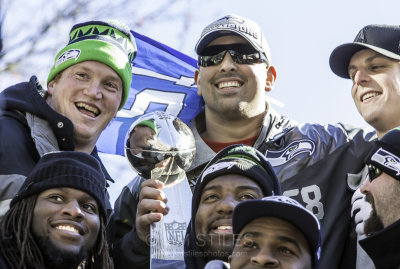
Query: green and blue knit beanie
column 109, row 42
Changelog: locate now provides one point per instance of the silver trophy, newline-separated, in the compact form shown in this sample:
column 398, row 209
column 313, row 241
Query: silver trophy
column 160, row 146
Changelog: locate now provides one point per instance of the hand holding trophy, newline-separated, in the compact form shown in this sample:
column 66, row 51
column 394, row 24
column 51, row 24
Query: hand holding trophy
column 160, row 146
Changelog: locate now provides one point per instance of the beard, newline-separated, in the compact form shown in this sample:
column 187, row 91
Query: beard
column 56, row 258
column 374, row 223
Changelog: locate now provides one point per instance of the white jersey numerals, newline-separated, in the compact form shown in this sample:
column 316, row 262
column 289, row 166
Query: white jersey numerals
column 311, row 196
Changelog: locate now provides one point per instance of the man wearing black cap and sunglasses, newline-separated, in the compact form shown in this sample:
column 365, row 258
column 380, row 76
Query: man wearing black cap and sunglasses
column 382, row 190
column 312, row 161
column 372, row 62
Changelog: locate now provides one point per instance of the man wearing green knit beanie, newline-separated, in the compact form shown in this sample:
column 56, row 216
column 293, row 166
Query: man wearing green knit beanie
column 88, row 83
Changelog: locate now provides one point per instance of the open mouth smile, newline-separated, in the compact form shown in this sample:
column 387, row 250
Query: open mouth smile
column 369, row 95
column 88, row 109
column 228, row 84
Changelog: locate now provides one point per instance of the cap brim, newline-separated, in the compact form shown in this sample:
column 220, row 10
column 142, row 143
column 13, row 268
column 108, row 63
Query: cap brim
column 210, row 36
column 253, row 209
column 340, row 57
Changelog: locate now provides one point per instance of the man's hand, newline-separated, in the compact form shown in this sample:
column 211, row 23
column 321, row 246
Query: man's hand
column 361, row 210
column 151, row 208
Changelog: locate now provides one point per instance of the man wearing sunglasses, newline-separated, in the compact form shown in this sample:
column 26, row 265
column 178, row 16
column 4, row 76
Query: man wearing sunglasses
column 382, row 190
column 313, row 162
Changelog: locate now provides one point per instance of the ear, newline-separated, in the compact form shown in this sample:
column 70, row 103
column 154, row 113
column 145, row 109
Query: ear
column 197, row 81
column 271, row 77
column 50, row 86
column 229, row 259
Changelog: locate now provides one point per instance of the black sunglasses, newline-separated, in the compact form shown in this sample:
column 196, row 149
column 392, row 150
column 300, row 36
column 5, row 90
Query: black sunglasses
column 373, row 172
column 241, row 54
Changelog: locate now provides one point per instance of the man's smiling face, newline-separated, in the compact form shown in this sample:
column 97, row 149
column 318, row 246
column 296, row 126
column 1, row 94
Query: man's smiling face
column 89, row 94
column 213, row 221
column 68, row 221
column 235, row 90
column 376, row 89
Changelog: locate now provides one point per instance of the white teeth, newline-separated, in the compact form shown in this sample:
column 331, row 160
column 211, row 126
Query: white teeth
column 224, row 227
column 88, row 108
column 227, row 84
column 67, row 228
column 369, row 95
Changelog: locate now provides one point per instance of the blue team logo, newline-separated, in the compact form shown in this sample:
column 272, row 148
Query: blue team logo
column 68, row 55
column 387, row 159
column 295, row 148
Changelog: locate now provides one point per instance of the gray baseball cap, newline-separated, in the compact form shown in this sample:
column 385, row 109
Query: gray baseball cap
column 384, row 39
column 234, row 25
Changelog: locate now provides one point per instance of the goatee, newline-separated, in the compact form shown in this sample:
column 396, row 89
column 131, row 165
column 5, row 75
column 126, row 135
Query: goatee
column 57, row 258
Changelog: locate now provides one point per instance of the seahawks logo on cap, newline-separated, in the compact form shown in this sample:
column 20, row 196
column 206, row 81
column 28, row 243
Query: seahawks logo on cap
column 295, row 148
column 217, row 167
column 231, row 18
column 68, row 55
column 387, row 159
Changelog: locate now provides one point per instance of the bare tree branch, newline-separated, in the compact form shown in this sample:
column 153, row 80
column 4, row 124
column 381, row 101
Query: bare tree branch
column 34, row 31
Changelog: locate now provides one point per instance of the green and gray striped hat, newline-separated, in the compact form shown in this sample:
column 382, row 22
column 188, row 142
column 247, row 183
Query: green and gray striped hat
column 109, row 42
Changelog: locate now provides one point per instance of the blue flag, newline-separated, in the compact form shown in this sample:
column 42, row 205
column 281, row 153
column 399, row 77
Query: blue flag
column 162, row 80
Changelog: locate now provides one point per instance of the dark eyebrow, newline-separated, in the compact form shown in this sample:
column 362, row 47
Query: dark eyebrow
column 290, row 240
column 212, row 187
column 239, row 188
column 280, row 238
column 368, row 60
column 252, row 234
column 247, row 187
column 85, row 196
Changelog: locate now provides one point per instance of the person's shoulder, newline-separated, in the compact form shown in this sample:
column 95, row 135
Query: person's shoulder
column 32, row 83
column 337, row 131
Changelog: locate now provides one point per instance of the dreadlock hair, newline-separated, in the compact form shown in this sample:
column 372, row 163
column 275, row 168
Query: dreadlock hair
column 19, row 246
column 16, row 240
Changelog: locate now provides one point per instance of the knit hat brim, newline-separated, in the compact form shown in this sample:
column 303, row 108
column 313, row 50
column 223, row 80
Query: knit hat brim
column 71, row 169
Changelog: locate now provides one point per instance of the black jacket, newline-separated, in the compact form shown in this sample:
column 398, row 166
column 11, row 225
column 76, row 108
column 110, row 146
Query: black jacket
column 383, row 247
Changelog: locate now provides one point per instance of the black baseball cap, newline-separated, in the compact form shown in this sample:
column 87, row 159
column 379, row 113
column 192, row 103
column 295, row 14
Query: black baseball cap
column 241, row 160
column 383, row 39
column 284, row 208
